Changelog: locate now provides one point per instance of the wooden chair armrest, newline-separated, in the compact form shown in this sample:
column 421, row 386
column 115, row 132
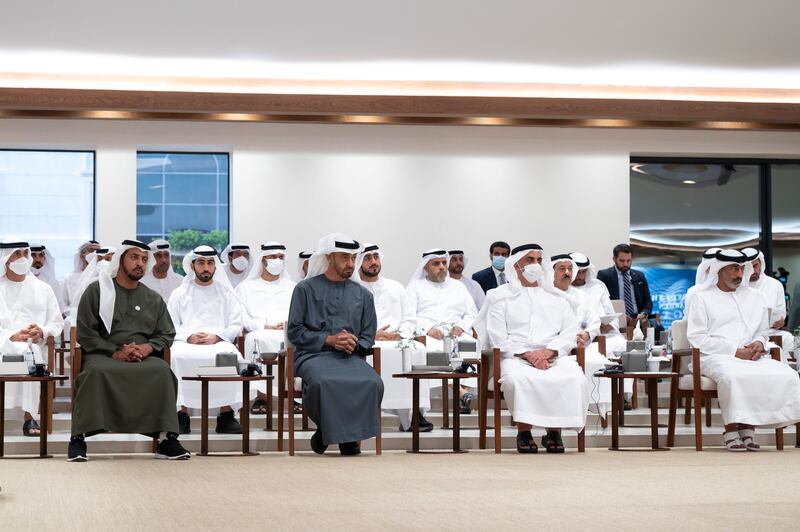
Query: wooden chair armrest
column 777, row 339
column 677, row 357
column 775, row 353
column 580, row 354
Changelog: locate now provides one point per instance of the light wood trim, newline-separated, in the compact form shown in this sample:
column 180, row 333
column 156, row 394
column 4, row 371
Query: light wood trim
column 398, row 109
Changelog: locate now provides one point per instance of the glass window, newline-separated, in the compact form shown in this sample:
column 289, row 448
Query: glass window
column 47, row 197
column 183, row 197
column 786, row 235
column 678, row 210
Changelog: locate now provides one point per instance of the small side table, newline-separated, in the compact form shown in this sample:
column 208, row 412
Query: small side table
column 245, row 415
column 416, row 376
column 617, row 399
column 45, row 404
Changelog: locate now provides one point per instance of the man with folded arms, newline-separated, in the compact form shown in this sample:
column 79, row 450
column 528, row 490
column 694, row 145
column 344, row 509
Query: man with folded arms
column 727, row 322
column 208, row 319
column 124, row 384
column 535, row 330
column 29, row 313
column 332, row 325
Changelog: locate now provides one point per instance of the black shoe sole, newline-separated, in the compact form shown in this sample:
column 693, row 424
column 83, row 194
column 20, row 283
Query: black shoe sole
column 78, row 459
column 184, row 456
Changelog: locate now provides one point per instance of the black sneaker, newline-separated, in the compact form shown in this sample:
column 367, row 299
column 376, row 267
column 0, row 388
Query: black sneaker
column 76, row 452
column 350, row 448
column 424, row 424
column 298, row 408
column 184, row 423
column 171, row 449
column 628, row 405
column 227, row 424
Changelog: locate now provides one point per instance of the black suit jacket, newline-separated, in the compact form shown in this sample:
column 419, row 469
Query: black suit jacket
column 641, row 292
column 485, row 278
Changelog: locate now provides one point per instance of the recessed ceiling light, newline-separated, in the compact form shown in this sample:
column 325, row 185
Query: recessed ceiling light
column 689, row 182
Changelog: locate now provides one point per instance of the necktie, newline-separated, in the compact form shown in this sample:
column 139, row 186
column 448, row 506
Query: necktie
column 626, row 284
column 502, row 277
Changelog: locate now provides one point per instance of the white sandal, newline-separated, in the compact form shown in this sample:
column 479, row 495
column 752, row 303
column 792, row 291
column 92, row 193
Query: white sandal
column 734, row 443
column 748, row 439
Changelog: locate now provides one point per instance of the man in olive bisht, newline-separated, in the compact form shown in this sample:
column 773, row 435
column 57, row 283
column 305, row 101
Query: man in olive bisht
column 332, row 325
column 124, row 384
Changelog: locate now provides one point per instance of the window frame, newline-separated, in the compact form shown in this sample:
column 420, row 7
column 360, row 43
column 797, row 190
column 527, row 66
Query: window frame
column 151, row 151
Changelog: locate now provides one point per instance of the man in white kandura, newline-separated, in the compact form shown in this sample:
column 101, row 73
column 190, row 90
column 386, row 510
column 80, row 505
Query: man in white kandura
column 265, row 297
column 535, row 330
column 236, row 261
column 72, row 281
column 388, row 297
column 160, row 276
column 435, row 305
column 302, row 265
column 458, row 262
column 699, row 277
column 29, row 313
column 773, row 292
column 728, row 323
column 43, row 267
column 98, row 261
column 560, row 276
column 208, row 317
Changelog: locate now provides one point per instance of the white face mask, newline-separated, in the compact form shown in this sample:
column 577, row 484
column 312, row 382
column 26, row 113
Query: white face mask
column 240, row 263
column 533, row 272
column 36, row 271
column 21, row 266
column 275, row 266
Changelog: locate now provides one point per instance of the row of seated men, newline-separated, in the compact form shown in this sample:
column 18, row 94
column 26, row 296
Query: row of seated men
column 546, row 309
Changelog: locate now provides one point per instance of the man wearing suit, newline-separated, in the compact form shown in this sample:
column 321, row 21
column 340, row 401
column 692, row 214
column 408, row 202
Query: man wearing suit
column 494, row 276
column 627, row 285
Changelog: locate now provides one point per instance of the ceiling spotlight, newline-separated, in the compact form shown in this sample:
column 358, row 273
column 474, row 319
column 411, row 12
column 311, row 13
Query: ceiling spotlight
column 689, row 182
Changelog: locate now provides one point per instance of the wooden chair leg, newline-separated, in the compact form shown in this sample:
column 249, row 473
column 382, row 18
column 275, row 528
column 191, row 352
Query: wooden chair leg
column 305, row 418
column 582, row 440
column 51, row 401
column 687, row 413
column 698, row 423
column 483, row 401
column 268, row 425
column 797, row 435
column 281, row 398
column 779, row 439
column 445, row 405
column 154, row 445
column 708, row 411
column 673, row 414
column 635, row 395
column 604, row 421
column 498, row 429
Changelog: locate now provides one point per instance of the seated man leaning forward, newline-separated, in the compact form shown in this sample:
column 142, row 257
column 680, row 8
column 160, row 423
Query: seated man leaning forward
column 208, row 318
column 535, row 331
column 124, row 384
column 728, row 323
column 332, row 325
column 29, row 314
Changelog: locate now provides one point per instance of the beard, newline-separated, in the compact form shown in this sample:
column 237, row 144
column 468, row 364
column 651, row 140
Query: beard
column 733, row 284
column 457, row 269
column 205, row 276
column 372, row 272
column 135, row 274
